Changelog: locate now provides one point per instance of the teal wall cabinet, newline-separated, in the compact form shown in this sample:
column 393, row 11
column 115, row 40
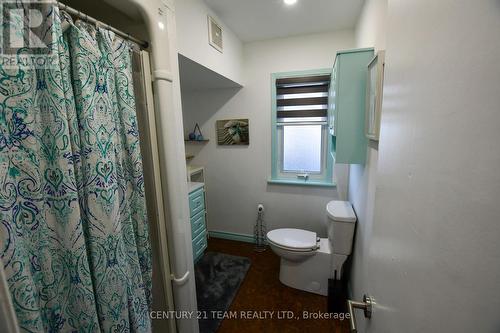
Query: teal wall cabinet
column 346, row 106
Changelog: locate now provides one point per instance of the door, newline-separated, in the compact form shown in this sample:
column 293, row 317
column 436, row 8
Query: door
column 432, row 259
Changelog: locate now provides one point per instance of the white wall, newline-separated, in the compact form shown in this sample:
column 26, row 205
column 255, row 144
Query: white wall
column 237, row 176
column 371, row 25
column 192, row 40
column 370, row 32
column 432, row 251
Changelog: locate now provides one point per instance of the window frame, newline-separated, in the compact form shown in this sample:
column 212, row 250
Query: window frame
column 277, row 175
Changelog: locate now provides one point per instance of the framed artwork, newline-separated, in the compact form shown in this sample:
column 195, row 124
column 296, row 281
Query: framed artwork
column 232, row 132
column 374, row 91
column 214, row 34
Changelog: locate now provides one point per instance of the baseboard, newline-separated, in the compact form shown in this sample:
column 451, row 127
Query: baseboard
column 232, row 236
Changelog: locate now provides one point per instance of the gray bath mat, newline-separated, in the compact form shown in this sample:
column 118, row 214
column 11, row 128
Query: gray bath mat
column 218, row 278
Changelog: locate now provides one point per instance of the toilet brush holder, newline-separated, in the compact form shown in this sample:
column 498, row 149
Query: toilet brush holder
column 260, row 230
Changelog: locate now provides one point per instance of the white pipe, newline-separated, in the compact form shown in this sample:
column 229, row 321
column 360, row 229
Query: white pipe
column 180, row 281
column 160, row 20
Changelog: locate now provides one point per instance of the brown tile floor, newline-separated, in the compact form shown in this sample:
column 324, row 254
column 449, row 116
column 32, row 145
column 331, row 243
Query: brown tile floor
column 262, row 291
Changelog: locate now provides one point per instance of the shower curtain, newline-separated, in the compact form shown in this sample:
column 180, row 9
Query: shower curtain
column 74, row 239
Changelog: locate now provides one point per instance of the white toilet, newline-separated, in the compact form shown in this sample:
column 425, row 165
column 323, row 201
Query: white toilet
column 307, row 261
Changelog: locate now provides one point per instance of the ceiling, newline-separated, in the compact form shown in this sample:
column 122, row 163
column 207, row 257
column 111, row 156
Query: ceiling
column 253, row 20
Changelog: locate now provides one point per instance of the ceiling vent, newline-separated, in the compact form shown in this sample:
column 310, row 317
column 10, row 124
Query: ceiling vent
column 214, row 34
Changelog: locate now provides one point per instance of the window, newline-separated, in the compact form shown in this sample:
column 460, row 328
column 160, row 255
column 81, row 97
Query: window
column 300, row 117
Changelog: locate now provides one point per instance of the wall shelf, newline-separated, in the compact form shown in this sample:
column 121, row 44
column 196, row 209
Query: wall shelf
column 197, row 141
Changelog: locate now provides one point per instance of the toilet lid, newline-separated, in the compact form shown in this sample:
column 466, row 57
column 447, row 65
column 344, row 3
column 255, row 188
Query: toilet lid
column 341, row 211
column 293, row 238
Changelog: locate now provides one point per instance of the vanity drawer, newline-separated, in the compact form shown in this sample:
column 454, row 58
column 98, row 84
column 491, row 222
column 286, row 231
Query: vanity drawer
column 199, row 245
column 196, row 201
column 198, row 224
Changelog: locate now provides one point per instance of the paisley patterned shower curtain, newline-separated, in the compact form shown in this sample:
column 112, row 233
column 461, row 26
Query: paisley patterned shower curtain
column 74, row 239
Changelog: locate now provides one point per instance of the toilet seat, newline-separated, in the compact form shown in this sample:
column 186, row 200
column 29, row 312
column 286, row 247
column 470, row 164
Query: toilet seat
column 291, row 249
column 296, row 240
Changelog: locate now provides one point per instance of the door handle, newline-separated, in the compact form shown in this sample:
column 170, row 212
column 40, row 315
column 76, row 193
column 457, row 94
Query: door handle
column 304, row 176
column 366, row 306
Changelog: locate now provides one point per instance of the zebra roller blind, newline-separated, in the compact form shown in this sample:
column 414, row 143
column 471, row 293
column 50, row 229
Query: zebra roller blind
column 302, row 99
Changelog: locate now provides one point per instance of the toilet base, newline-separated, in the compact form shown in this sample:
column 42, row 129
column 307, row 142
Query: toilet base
column 312, row 274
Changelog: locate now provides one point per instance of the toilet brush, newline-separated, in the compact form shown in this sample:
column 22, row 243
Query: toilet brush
column 260, row 230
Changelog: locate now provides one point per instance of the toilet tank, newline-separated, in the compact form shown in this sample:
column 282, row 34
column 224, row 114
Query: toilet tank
column 340, row 225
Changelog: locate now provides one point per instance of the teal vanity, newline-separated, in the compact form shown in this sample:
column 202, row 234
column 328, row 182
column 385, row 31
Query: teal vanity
column 197, row 212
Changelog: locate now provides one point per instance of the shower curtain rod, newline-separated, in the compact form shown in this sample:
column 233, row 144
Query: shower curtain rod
column 79, row 14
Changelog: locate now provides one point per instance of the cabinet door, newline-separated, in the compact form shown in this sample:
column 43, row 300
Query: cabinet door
column 350, row 112
column 332, row 111
column 199, row 246
column 332, row 99
column 198, row 224
column 196, row 201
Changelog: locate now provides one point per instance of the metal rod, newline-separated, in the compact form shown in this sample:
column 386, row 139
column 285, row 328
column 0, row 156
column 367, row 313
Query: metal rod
column 366, row 306
column 79, row 14
column 351, row 305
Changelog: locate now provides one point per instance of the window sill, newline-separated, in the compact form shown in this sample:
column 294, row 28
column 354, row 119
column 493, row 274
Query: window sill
column 301, row 182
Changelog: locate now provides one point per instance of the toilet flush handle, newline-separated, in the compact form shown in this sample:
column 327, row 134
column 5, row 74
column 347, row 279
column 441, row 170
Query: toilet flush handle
column 366, row 306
